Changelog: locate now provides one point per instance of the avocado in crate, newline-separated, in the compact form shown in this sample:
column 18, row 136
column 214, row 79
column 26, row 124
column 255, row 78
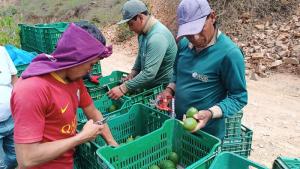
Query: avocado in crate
column 227, row 160
column 239, row 143
column 194, row 150
column 286, row 163
column 138, row 121
column 105, row 105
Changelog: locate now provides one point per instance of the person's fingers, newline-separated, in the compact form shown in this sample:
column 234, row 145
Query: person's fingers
column 111, row 94
column 99, row 131
column 196, row 116
column 198, row 126
column 199, row 116
column 89, row 122
column 184, row 117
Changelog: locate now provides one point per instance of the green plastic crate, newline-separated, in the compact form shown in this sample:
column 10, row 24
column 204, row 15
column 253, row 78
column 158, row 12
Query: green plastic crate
column 146, row 96
column 233, row 125
column 21, row 68
column 115, row 76
column 103, row 105
column 286, row 163
column 239, row 144
column 138, row 121
column 226, row 160
column 77, row 163
column 41, row 38
column 96, row 91
column 113, row 80
column 156, row 146
column 96, row 70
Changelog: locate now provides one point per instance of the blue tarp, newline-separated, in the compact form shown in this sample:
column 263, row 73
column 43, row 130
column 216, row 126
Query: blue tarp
column 19, row 56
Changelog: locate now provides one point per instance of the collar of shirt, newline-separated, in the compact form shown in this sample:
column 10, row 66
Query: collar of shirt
column 149, row 23
column 58, row 78
column 212, row 42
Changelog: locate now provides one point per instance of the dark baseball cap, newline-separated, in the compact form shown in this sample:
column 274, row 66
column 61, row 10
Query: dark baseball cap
column 132, row 8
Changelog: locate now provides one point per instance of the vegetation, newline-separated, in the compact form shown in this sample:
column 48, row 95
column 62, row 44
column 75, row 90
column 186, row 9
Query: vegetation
column 230, row 10
column 123, row 33
column 9, row 31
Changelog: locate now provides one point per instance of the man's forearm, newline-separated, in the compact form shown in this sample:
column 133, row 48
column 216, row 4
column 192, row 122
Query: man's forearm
column 29, row 155
column 134, row 72
column 106, row 134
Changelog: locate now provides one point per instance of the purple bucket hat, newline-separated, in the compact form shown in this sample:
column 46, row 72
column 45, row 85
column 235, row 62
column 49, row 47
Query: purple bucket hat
column 191, row 16
column 75, row 47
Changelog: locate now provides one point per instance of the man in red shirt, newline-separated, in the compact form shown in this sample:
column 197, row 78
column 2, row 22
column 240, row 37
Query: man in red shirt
column 44, row 103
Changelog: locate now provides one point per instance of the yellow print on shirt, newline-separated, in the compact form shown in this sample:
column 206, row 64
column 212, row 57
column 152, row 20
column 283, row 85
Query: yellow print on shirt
column 63, row 110
column 69, row 128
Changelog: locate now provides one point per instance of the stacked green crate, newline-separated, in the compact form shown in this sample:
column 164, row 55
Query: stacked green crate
column 115, row 76
column 238, row 138
column 240, row 143
column 286, row 163
column 194, row 150
column 41, row 38
column 105, row 105
column 138, row 121
column 226, row 160
column 98, row 90
column 96, row 70
column 233, row 125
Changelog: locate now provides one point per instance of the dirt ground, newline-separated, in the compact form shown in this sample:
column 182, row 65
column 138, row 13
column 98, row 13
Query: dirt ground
column 273, row 113
column 273, row 110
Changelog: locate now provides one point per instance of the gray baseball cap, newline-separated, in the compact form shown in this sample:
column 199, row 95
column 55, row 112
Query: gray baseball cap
column 191, row 16
column 132, row 8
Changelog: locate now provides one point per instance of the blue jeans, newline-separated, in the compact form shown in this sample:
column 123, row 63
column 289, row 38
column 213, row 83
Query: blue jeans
column 7, row 147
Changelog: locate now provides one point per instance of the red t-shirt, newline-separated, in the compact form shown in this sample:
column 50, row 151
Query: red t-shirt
column 44, row 110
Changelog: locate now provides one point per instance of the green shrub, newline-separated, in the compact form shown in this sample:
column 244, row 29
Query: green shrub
column 123, row 33
column 9, row 11
column 9, row 31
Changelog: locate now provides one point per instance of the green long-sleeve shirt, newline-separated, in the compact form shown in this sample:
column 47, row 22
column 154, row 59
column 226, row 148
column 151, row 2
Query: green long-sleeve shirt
column 215, row 76
column 154, row 63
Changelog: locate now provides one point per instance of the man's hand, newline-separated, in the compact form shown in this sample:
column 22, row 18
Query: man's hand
column 113, row 143
column 164, row 99
column 203, row 116
column 166, row 94
column 90, row 131
column 115, row 93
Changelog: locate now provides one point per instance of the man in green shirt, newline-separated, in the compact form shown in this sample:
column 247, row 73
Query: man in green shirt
column 209, row 70
column 157, row 50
